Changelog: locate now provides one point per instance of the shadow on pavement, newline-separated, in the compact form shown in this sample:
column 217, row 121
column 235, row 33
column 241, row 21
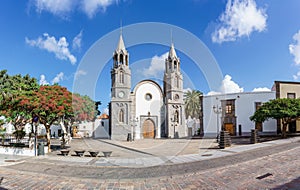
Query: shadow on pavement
column 294, row 184
column 127, row 148
column 1, row 188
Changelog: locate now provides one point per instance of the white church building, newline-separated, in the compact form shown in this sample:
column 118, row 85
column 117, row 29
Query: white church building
column 146, row 110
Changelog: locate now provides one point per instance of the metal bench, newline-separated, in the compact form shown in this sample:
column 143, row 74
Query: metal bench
column 79, row 152
column 106, row 153
column 65, row 152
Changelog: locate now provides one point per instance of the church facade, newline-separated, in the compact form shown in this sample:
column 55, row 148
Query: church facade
column 147, row 110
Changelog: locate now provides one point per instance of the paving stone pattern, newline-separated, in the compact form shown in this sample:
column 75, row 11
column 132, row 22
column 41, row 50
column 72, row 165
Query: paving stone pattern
column 236, row 171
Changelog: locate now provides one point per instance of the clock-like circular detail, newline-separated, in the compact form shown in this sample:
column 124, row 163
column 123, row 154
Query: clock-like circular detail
column 121, row 94
column 148, row 96
column 176, row 97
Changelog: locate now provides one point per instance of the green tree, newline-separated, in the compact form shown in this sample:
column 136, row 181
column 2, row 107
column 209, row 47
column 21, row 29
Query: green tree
column 286, row 110
column 2, row 134
column 83, row 109
column 192, row 101
column 12, row 89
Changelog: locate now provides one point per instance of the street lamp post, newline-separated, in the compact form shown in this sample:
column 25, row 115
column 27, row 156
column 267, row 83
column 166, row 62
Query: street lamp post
column 217, row 109
column 133, row 126
column 35, row 120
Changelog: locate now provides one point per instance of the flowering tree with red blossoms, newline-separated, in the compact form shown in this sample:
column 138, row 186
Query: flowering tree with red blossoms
column 55, row 103
column 22, row 99
column 83, row 108
column 50, row 103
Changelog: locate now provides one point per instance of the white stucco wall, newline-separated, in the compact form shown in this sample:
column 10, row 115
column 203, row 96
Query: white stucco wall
column 101, row 128
column 54, row 130
column 144, row 106
column 85, row 129
column 244, row 108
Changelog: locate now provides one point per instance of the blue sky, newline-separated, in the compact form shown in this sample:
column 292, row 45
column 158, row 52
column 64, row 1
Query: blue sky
column 253, row 42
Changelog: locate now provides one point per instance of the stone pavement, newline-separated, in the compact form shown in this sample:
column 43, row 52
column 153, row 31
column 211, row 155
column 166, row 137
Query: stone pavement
column 194, row 164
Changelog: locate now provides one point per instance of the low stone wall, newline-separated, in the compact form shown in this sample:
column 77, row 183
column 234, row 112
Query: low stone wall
column 19, row 151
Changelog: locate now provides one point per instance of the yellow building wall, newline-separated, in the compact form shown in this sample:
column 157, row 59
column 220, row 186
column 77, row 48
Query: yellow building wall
column 284, row 89
column 289, row 88
column 298, row 125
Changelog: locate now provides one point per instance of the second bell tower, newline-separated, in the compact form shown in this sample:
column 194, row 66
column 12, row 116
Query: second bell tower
column 120, row 105
column 173, row 90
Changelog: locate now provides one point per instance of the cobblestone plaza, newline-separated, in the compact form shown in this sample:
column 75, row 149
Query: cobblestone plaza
column 159, row 164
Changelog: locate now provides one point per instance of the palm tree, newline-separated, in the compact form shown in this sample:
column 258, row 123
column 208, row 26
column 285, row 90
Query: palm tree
column 192, row 101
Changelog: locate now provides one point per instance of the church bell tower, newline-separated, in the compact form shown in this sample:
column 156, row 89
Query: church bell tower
column 120, row 105
column 173, row 90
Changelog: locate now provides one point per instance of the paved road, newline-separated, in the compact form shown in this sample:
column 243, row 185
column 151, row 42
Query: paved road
column 273, row 166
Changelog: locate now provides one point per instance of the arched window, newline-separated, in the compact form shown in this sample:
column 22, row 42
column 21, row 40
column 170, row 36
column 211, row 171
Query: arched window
column 121, row 59
column 121, row 116
column 175, row 65
column 176, row 116
column 116, row 59
column 121, row 77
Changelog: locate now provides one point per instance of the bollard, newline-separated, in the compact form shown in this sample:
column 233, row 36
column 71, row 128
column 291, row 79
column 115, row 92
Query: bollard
column 254, row 136
column 129, row 137
column 41, row 149
column 225, row 139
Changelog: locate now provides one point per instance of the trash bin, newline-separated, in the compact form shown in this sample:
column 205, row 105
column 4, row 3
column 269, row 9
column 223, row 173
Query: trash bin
column 129, row 137
column 41, row 149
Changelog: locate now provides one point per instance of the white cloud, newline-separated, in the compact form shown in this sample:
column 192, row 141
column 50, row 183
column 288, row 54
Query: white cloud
column 59, row 77
column 77, row 41
column 80, row 73
column 43, row 80
column 58, row 47
column 213, row 93
column 90, row 7
column 157, row 66
column 295, row 48
column 296, row 76
column 62, row 8
column 227, row 86
column 56, row 7
column 106, row 111
column 261, row 89
column 241, row 18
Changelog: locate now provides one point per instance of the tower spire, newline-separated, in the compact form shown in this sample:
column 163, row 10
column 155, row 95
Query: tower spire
column 171, row 31
column 121, row 27
column 121, row 45
column 172, row 52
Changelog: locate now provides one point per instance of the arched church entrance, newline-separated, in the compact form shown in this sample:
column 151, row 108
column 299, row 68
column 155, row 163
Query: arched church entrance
column 148, row 129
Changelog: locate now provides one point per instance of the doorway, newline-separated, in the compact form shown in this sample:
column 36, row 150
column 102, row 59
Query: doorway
column 148, row 129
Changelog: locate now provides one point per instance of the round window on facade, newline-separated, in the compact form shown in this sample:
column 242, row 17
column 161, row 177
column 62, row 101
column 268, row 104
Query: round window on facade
column 148, row 97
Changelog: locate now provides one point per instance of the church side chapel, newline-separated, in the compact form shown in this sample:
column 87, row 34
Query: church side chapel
column 148, row 111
